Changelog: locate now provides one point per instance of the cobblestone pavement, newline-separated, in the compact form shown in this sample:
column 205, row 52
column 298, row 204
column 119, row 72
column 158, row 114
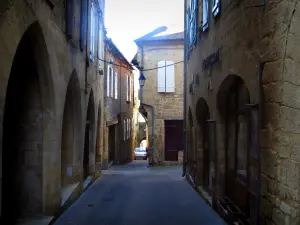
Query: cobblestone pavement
column 134, row 194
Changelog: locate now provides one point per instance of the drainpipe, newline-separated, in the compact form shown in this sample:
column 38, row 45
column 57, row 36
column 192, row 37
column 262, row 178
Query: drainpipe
column 184, row 95
column 148, row 105
column 153, row 124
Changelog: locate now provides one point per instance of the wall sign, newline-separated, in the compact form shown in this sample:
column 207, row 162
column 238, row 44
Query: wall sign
column 211, row 60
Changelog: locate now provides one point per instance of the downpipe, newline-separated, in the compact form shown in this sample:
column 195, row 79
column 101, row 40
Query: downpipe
column 184, row 95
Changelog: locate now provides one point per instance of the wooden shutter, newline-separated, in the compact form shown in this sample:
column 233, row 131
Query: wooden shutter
column 92, row 31
column 116, row 85
column 107, row 80
column 112, row 84
column 205, row 14
column 130, row 88
column 127, row 88
column 161, row 76
column 100, row 44
column 170, row 76
column 124, row 130
column 70, row 18
column 83, row 23
column 215, row 7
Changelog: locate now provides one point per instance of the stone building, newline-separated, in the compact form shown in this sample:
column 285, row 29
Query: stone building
column 118, row 87
column 51, row 101
column 243, row 107
column 160, row 58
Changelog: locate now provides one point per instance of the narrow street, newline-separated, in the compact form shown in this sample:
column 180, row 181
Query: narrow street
column 136, row 195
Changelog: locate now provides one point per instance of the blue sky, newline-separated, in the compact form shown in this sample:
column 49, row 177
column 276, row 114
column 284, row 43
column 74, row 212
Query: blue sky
column 127, row 20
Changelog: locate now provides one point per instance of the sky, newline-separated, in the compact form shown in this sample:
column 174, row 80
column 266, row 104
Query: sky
column 127, row 20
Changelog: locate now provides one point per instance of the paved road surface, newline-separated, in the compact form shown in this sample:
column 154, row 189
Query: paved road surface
column 136, row 195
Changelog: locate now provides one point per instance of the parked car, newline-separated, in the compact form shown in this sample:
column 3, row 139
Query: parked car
column 140, row 153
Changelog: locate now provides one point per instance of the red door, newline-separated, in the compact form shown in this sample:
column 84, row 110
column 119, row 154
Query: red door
column 173, row 139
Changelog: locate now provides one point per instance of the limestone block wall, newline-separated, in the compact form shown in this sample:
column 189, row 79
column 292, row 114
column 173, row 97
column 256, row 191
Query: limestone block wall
column 246, row 37
column 168, row 106
column 57, row 60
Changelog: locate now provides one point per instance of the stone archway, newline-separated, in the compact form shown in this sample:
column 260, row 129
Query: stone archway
column 191, row 151
column 71, row 132
column 203, row 152
column 233, row 101
column 89, row 149
column 27, row 127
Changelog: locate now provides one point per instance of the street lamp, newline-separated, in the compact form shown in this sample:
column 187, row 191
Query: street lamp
column 142, row 80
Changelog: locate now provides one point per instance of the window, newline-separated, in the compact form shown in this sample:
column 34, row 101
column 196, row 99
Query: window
column 127, row 88
column 128, row 129
column 124, row 129
column 193, row 22
column 130, row 88
column 84, row 6
column 70, row 18
column 205, row 15
column 109, row 71
column 100, row 42
column 116, row 85
column 112, row 83
column 93, row 30
column 215, row 7
column 166, row 76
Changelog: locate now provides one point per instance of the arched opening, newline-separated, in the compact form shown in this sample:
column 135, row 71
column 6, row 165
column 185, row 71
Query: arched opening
column 88, row 139
column 99, row 139
column 233, row 103
column 205, row 160
column 28, row 104
column 71, row 131
column 191, row 153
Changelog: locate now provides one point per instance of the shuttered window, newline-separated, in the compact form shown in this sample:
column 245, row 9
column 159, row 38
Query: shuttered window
column 205, row 15
column 112, row 83
column 83, row 23
column 108, row 80
column 124, row 130
column 193, row 22
column 130, row 89
column 215, row 7
column 116, row 85
column 127, row 87
column 70, row 18
column 100, row 42
column 93, row 30
column 128, row 132
column 166, row 76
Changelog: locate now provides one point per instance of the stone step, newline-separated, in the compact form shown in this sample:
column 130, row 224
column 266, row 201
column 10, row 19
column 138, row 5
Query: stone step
column 43, row 220
column 67, row 191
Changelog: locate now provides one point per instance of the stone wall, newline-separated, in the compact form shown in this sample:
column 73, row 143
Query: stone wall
column 118, row 108
column 246, row 37
column 56, row 59
column 168, row 106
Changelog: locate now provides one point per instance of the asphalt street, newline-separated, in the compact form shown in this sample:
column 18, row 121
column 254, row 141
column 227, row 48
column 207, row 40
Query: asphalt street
column 136, row 195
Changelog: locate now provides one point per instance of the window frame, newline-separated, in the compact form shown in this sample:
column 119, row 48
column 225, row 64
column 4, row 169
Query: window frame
column 108, row 80
column 205, row 24
column 124, row 129
column 116, row 85
column 166, row 64
column 92, row 33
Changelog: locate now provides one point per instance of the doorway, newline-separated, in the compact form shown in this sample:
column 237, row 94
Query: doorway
column 173, row 139
column 111, row 143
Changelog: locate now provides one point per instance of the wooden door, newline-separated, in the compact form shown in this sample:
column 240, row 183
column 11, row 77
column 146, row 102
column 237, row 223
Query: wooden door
column 173, row 139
